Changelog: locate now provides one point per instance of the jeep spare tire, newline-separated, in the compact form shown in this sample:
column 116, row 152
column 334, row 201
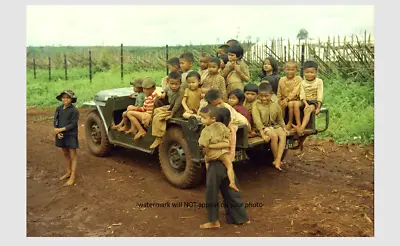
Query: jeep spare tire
column 176, row 162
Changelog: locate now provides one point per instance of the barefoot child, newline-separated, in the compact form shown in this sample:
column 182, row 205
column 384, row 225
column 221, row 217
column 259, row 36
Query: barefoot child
column 203, row 102
column 267, row 116
column 250, row 94
column 203, row 59
column 236, row 71
column 172, row 109
column 192, row 95
column 143, row 114
column 311, row 94
column 186, row 62
column 214, row 133
column 214, row 97
column 173, row 66
column 289, row 91
column 138, row 95
column 214, row 79
column 66, row 129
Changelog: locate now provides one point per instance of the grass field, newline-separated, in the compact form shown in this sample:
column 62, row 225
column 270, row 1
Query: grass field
column 351, row 104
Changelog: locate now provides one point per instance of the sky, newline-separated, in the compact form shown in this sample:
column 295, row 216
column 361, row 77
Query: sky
column 181, row 25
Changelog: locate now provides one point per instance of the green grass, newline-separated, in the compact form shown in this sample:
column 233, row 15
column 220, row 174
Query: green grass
column 351, row 104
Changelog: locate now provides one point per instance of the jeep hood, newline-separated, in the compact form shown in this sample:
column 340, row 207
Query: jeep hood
column 118, row 92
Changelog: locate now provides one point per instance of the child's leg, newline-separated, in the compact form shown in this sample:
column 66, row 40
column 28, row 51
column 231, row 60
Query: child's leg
column 281, row 147
column 68, row 163
column 187, row 115
column 229, row 168
column 297, row 106
column 134, row 117
column 233, row 129
column 306, row 119
column 71, row 180
column 290, row 120
column 123, row 123
column 283, row 107
column 159, row 125
column 274, row 142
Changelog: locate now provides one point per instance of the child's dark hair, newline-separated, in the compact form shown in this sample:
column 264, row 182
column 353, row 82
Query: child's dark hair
column 233, row 42
column 310, row 64
column 224, row 57
column 251, row 87
column 239, row 94
column 210, row 110
column 193, row 74
column 265, row 87
column 174, row 61
column 237, row 50
column 274, row 65
column 215, row 60
column 224, row 47
column 223, row 116
column 188, row 56
column 266, row 78
column 175, row 75
column 212, row 95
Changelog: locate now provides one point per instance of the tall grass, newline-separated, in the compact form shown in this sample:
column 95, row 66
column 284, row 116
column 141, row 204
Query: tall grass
column 351, row 104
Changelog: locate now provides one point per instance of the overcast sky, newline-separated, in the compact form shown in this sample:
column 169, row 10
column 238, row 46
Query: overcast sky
column 172, row 25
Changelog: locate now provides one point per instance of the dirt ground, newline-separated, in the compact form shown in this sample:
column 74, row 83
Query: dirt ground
column 328, row 190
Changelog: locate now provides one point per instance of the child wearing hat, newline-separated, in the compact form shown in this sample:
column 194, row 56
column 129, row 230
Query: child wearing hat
column 66, row 129
column 138, row 95
column 138, row 115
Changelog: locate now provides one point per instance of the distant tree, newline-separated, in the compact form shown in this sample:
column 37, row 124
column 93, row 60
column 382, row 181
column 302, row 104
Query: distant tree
column 303, row 34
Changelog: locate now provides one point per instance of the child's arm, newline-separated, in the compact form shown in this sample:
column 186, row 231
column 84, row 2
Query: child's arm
column 303, row 95
column 184, row 100
column 243, row 71
column 73, row 123
column 222, row 88
column 228, row 68
column 177, row 105
column 295, row 92
column 255, row 112
column 55, row 123
column 320, row 95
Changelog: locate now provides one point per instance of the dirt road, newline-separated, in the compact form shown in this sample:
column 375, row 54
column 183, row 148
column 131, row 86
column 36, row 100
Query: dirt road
column 328, row 190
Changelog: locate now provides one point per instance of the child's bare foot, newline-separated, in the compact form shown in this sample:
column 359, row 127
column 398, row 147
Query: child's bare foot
column 252, row 134
column 70, row 182
column 234, row 187
column 67, row 175
column 210, row 225
column 288, row 127
column 298, row 130
column 116, row 126
column 139, row 135
column 123, row 129
column 156, row 142
column 277, row 165
column 131, row 131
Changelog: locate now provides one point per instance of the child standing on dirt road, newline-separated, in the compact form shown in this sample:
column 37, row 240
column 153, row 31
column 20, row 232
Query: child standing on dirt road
column 138, row 95
column 174, row 108
column 311, row 94
column 215, row 133
column 143, row 114
column 267, row 117
column 66, row 129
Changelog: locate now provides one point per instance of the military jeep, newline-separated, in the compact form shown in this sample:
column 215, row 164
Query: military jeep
column 180, row 156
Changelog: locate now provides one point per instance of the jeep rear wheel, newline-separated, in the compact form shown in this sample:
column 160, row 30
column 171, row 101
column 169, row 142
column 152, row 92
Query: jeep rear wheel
column 176, row 162
column 96, row 135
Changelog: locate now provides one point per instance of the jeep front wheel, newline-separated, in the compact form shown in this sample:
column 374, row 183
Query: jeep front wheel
column 96, row 135
column 176, row 162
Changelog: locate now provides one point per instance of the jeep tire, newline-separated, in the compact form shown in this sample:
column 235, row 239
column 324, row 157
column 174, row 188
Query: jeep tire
column 176, row 162
column 96, row 135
